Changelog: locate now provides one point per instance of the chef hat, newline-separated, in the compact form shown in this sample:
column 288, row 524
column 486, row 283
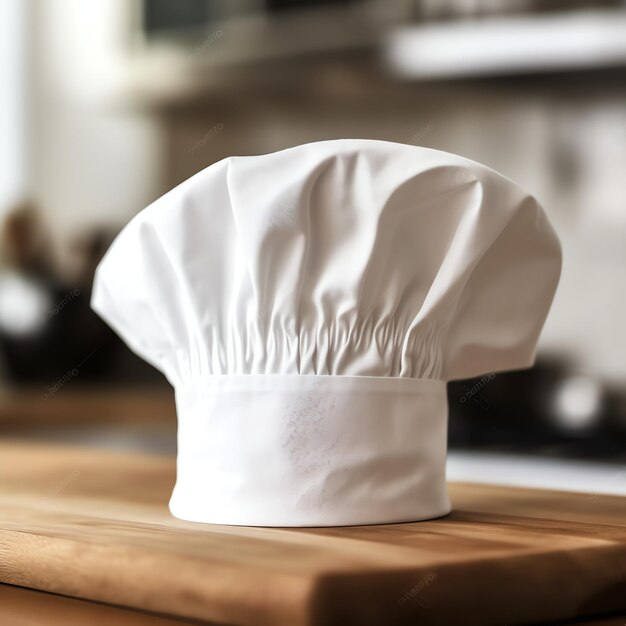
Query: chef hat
column 309, row 306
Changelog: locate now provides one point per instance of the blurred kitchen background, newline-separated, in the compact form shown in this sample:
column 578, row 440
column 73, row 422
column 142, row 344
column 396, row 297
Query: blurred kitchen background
column 107, row 104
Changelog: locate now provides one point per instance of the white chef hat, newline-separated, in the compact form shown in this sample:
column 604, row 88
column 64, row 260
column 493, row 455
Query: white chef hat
column 309, row 306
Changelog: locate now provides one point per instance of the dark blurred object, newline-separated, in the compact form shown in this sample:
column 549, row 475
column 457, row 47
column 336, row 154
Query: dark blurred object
column 164, row 15
column 56, row 334
column 281, row 5
column 48, row 333
column 544, row 409
column 25, row 244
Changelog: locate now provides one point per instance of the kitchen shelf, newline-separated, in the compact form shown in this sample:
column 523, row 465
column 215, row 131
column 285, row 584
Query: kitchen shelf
column 508, row 46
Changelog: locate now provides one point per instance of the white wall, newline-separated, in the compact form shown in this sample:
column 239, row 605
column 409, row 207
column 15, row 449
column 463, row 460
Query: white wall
column 13, row 60
column 95, row 160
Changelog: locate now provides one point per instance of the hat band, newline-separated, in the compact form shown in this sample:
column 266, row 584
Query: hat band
column 292, row 450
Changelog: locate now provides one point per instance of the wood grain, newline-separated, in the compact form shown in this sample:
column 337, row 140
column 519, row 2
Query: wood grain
column 93, row 524
column 25, row 607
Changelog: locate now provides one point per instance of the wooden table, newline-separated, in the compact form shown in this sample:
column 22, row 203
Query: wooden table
column 94, row 525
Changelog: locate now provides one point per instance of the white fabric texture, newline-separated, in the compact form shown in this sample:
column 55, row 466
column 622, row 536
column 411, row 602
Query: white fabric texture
column 353, row 259
column 310, row 450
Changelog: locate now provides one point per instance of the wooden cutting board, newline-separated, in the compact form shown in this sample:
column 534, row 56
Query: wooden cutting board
column 94, row 525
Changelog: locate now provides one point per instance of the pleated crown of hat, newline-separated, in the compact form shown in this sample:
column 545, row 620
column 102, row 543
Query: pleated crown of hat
column 309, row 306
